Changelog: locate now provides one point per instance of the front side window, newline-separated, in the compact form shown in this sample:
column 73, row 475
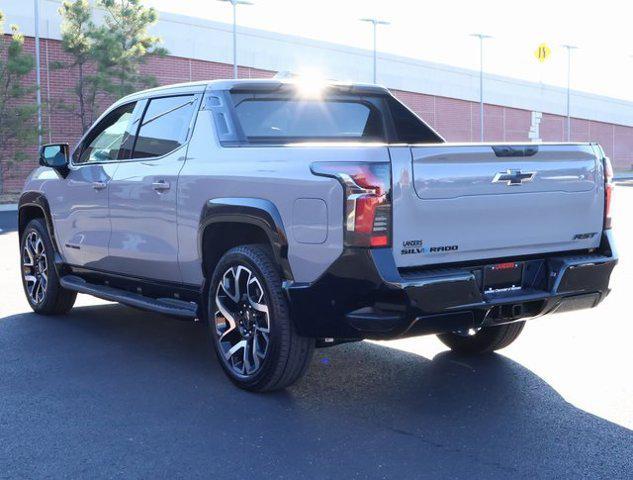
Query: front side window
column 302, row 119
column 104, row 141
column 165, row 126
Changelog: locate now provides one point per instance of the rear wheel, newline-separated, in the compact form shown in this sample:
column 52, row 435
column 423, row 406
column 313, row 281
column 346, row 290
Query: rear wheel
column 249, row 323
column 484, row 340
column 39, row 277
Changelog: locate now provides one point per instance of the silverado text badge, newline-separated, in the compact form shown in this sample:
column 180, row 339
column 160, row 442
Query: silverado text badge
column 410, row 247
column 444, row 248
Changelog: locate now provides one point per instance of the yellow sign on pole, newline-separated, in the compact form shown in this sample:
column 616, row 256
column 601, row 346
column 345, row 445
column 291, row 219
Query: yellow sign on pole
column 542, row 53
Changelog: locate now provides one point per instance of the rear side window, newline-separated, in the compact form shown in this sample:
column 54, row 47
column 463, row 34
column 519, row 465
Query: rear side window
column 409, row 128
column 165, row 126
column 296, row 119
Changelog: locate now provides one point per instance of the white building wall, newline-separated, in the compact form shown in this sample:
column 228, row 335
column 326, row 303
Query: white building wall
column 208, row 40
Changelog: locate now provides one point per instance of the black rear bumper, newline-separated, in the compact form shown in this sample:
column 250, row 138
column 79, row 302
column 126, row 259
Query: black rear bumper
column 364, row 295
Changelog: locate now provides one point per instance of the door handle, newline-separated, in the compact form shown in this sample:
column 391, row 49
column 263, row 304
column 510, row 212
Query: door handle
column 161, row 186
column 99, row 185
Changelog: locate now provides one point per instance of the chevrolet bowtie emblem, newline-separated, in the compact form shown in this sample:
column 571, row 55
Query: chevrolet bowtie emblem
column 513, row 177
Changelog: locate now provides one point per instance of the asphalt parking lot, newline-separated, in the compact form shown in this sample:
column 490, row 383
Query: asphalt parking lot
column 112, row 392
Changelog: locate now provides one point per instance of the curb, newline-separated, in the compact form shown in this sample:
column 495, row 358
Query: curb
column 623, row 177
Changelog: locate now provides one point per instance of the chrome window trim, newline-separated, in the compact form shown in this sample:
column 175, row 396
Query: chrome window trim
column 197, row 102
column 71, row 162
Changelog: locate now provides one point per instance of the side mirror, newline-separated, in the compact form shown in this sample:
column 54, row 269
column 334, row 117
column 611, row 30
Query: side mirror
column 56, row 156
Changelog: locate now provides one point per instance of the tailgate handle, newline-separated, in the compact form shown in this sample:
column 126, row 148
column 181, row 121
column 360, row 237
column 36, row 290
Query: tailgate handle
column 509, row 151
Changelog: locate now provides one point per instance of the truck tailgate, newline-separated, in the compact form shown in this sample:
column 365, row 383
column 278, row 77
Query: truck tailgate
column 456, row 203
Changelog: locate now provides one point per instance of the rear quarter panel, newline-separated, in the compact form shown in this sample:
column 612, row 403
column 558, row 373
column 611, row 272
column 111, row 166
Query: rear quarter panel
column 279, row 174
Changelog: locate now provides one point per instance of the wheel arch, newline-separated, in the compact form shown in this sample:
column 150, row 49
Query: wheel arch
column 233, row 221
column 35, row 205
column 32, row 205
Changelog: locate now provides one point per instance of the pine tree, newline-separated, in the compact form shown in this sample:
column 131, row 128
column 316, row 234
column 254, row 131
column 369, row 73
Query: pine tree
column 107, row 58
column 18, row 126
column 78, row 32
column 124, row 45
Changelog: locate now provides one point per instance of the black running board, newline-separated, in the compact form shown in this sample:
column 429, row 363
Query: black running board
column 166, row 306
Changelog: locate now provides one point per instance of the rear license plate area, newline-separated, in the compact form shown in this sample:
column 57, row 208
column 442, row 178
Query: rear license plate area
column 503, row 276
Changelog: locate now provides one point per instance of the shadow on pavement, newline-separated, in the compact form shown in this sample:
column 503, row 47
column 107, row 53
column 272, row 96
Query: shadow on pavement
column 112, row 392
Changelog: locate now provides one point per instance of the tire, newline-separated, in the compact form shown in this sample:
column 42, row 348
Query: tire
column 39, row 276
column 486, row 340
column 273, row 356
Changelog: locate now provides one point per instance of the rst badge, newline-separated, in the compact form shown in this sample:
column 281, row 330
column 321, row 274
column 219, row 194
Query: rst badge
column 585, row 236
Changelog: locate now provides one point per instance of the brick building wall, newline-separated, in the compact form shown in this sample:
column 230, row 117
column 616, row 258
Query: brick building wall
column 456, row 120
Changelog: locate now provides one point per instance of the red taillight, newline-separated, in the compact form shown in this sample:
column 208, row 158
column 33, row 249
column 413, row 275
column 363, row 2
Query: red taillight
column 504, row 266
column 379, row 241
column 367, row 189
column 608, row 191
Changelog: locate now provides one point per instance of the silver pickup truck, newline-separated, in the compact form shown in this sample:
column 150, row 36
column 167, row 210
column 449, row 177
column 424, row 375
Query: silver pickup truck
column 288, row 216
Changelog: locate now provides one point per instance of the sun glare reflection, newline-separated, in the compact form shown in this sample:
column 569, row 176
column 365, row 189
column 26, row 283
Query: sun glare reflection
column 310, row 83
column 310, row 88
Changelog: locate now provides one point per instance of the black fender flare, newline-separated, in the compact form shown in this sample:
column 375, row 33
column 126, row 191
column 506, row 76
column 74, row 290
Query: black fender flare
column 38, row 200
column 252, row 211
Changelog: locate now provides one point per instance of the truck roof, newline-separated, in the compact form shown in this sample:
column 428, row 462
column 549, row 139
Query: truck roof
column 256, row 84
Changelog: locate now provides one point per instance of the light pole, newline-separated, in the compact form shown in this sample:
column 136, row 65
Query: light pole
column 38, row 81
column 569, row 50
column 481, row 38
column 235, row 3
column 375, row 22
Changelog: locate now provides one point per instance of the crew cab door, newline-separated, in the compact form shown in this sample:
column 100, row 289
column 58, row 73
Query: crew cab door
column 143, row 191
column 79, row 204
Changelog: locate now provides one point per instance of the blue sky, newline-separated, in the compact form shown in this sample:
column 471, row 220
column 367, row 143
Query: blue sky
column 439, row 31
